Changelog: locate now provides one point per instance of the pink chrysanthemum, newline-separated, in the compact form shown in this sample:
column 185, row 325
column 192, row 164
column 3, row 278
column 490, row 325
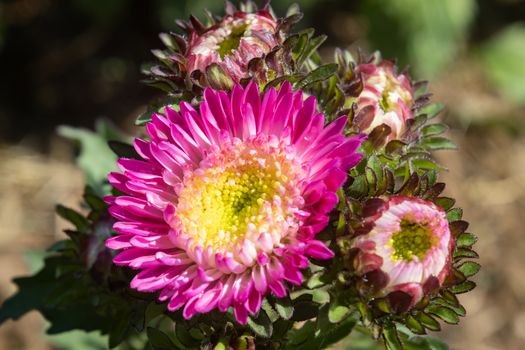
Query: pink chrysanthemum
column 233, row 43
column 408, row 248
column 226, row 204
column 387, row 98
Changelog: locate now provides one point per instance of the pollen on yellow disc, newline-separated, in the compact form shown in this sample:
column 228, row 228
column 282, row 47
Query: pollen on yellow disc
column 247, row 191
column 413, row 239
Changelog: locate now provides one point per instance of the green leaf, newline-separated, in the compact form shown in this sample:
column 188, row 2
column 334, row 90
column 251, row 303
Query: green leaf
column 431, row 110
column 437, row 143
column 469, row 268
column 444, row 313
column 445, row 202
column 465, row 253
column 454, row 214
column 426, row 164
column 123, row 150
column 270, row 311
column 336, row 312
column 320, row 296
column 428, row 321
column 153, row 310
column 319, row 74
column 299, row 337
column 77, row 219
column 502, row 58
column 118, row 331
column 434, row 129
column 414, row 325
column 261, row 326
column 96, row 158
column 337, row 332
column 144, row 118
column 310, row 48
column 466, row 240
column 284, row 307
column 305, row 310
column 160, row 340
column 391, row 338
column 464, row 287
column 316, row 280
column 184, row 337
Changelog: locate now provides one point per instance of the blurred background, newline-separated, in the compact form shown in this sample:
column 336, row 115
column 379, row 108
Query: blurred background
column 75, row 61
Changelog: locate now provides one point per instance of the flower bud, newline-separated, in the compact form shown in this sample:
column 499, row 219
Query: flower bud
column 386, row 98
column 407, row 249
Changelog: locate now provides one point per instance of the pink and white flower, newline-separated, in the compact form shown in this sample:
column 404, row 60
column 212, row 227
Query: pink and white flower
column 409, row 243
column 233, row 43
column 386, row 98
column 225, row 206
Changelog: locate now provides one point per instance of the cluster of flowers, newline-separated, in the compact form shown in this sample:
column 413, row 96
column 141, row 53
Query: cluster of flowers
column 270, row 163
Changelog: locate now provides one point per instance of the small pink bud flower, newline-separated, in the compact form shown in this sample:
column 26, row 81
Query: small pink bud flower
column 233, row 43
column 386, row 98
column 407, row 249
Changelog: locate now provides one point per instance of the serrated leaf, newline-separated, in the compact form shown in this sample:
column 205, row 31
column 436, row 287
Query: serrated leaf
column 284, row 307
column 469, row 268
column 270, row 311
column 444, row 313
column 261, row 325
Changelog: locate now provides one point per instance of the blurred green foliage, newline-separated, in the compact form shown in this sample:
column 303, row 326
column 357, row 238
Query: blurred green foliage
column 425, row 34
column 503, row 58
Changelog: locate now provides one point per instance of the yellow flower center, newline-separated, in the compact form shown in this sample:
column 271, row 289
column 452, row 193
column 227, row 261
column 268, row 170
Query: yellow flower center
column 250, row 191
column 413, row 239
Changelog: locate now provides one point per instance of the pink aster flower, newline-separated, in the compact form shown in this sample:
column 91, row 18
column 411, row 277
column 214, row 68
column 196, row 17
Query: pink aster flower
column 407, row 249
column 232, row 43
column 386, row 98
column 226, row 203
